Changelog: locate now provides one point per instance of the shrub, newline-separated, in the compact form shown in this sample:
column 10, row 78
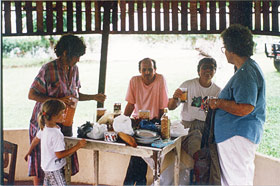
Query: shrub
column 21, row 46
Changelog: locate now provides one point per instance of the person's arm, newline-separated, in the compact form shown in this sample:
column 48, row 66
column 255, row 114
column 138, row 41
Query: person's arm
column 34, row 143
column 128, row 109
column 33, row 95
column 63, row 154
column 173, row 102
column 161, row 112
column 238, row 109
column 97, row 97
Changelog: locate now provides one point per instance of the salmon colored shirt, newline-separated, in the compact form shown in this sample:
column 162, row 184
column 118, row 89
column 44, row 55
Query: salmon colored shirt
column 151, row 97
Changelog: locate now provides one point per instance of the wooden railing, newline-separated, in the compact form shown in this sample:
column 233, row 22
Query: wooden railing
column 138, row 17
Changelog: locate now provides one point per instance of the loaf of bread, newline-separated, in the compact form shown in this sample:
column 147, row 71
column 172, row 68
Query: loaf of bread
column 127, row 139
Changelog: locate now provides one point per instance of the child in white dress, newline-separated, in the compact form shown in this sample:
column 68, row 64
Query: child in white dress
column 53, row 151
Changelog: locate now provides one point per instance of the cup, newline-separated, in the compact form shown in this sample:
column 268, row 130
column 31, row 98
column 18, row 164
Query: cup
column 184, row 96
column 99, row 113
column 70, row 112
column 144, row 114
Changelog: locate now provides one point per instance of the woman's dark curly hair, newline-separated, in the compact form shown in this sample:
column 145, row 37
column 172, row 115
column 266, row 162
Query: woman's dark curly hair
column 239, row 40
column 73, row 45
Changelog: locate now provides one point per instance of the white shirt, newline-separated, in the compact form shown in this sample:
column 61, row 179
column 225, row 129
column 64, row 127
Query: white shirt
column 52, row 140
column 191, row 109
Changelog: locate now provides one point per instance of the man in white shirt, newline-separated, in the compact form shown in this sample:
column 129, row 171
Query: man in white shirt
column 192, row 115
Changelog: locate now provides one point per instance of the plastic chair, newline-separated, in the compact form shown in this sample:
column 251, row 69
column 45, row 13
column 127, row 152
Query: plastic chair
column 10, row 148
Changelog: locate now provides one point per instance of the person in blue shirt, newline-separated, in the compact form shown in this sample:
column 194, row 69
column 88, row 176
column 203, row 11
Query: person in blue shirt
column 240, row 109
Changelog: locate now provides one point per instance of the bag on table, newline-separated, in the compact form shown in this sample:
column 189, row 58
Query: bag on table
column 84, row 129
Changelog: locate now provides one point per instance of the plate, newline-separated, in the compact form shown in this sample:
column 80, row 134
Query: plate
column 145, row 134
column 146, row 140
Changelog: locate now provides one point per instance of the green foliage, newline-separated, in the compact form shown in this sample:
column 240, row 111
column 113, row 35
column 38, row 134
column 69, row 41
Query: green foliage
column 8, row 46
column 270, row 142
column 20, row 46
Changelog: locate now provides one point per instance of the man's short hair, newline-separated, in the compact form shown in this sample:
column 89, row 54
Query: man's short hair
column 205, row 60
column 239, row 40
column 145, row 59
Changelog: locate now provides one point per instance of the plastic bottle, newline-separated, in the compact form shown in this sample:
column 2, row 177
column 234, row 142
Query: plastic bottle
column 70, row 112
column 165, row 125
column 117, row 109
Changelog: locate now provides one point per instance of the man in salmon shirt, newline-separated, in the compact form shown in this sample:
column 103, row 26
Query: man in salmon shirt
column 147, row 91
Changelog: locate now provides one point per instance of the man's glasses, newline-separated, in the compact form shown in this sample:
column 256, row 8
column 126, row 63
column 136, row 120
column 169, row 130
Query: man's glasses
column 223, row 49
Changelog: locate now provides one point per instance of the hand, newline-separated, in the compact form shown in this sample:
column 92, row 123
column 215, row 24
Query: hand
column 177, row 94
column 100, row 97
column 82, row 143
column 212, row 102
column 69, row 100
column 26, row 157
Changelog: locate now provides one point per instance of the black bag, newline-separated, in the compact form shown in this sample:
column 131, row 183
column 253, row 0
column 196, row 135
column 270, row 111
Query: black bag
column 84, row 129
column 206, row 163
column 201, row 168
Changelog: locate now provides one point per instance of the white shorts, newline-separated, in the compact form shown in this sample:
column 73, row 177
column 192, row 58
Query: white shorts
column 236, row 156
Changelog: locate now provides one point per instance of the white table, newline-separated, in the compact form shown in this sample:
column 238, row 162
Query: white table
column 153, row 155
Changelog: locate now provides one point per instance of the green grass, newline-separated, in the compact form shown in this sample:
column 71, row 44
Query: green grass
column 17, row 62
column 175, row 61
column 270, row 143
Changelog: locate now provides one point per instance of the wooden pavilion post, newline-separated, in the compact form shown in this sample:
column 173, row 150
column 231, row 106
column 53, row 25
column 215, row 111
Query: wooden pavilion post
column 104, row 50
column 241, row 12
column 1, row 125
column 1, row 131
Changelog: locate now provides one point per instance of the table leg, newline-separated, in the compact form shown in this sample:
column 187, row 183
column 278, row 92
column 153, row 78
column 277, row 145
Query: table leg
column 156, row 167
column 68, row 166
column 96, row 167
column 177, row 151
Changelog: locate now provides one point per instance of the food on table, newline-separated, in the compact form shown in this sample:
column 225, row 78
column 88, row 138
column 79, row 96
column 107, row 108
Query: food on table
column 99, row 113
column 144, row 114
column 128, row 139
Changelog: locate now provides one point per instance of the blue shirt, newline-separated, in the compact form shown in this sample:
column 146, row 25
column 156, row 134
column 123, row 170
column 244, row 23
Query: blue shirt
column 247, row 86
